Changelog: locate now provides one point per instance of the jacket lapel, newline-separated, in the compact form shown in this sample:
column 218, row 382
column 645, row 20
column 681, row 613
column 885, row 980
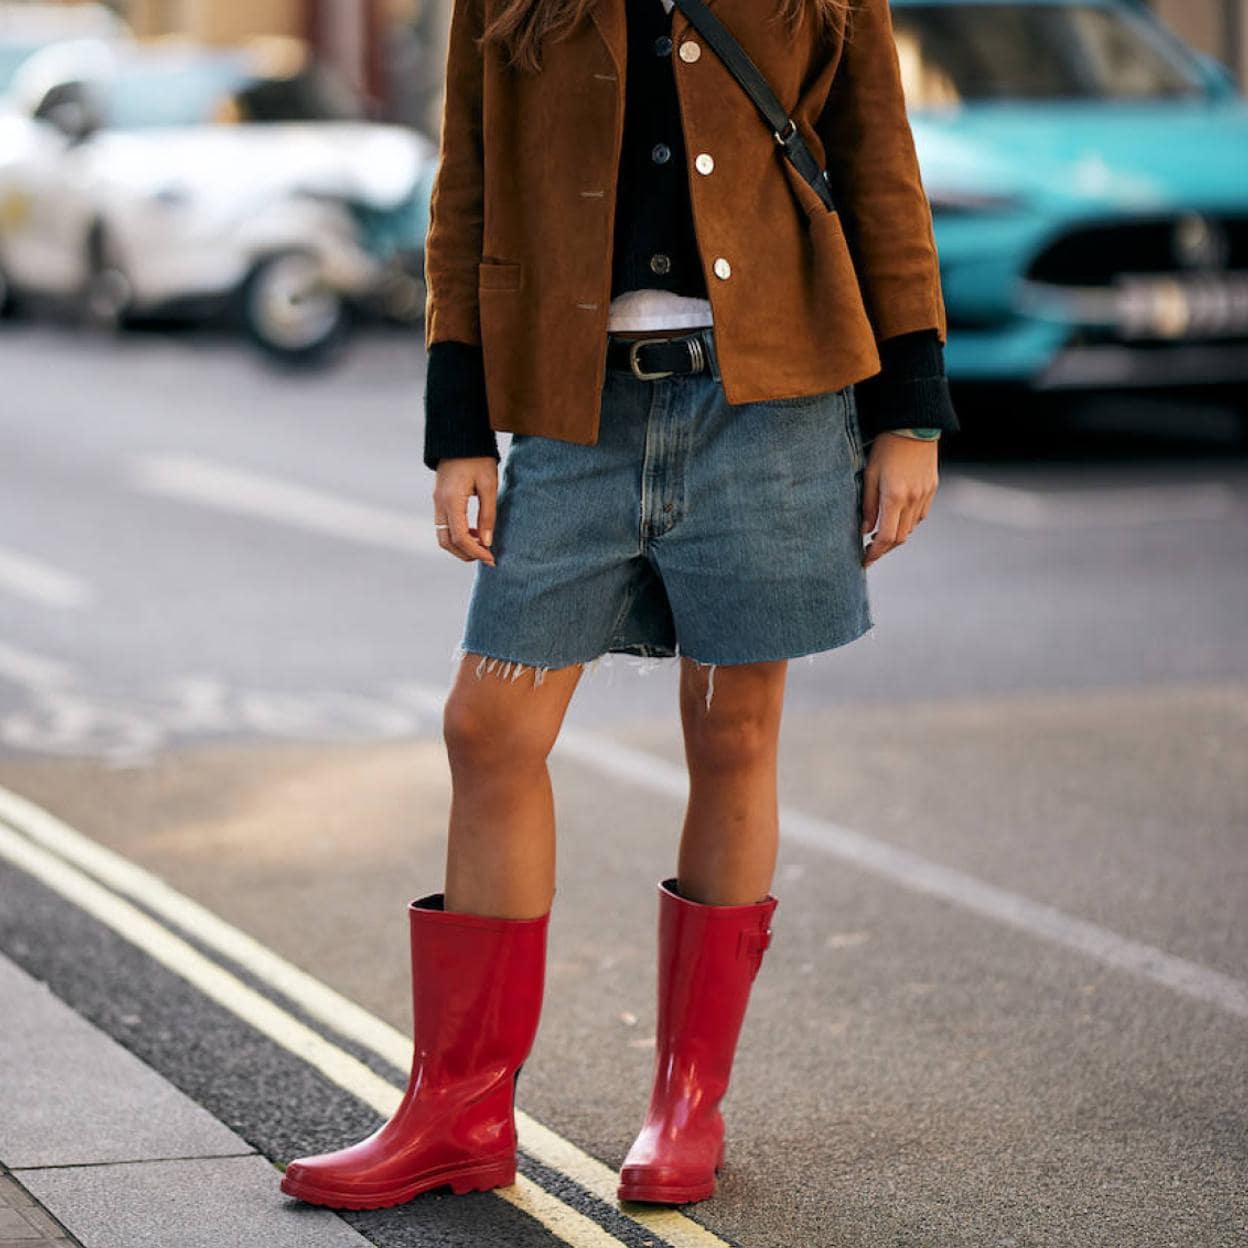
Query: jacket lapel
column 608, row 16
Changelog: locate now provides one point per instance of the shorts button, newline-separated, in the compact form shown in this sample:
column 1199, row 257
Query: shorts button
column 661, row 263
column 660, row 153
column 663, row 45
column 667, row 506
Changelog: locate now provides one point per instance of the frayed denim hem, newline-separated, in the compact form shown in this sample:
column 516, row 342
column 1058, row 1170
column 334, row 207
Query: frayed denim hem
column 512, row 669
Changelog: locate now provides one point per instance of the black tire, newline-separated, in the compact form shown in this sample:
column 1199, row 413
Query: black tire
column 1239, row 397
column 289, row 313
column 403, row 293
column 9, row 306
column 107, row 297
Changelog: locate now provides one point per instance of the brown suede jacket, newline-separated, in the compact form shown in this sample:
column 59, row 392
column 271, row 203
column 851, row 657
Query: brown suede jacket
column 518, row 255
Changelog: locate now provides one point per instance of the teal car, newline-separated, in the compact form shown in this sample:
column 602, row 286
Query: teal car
column 1088, row 177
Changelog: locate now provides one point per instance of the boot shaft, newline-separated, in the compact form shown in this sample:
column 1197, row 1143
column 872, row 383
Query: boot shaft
column 477, row 988
column 709, row 957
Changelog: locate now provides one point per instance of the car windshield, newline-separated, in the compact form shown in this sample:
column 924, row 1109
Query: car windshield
column 11, row 57
column 202, row 91
column 952, row 53
column 181, row 94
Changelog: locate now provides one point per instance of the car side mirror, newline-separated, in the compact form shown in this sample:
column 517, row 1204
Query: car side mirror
column 1217, row 77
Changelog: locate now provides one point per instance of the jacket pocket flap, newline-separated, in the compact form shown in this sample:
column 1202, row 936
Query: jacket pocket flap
column 499, row 274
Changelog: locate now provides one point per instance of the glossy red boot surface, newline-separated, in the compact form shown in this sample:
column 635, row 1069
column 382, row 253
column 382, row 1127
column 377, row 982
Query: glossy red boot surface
column 708, row 959
column 477, row 986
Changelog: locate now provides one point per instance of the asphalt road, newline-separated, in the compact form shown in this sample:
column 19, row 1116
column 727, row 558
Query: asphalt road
column 1007, row 998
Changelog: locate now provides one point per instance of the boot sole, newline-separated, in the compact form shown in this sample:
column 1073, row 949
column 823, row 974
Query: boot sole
column 665, row 1195
column 478, row 1178
column 658, row 1194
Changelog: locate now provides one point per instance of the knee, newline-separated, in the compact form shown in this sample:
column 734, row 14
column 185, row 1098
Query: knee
column 731, row 742
column 484, row 736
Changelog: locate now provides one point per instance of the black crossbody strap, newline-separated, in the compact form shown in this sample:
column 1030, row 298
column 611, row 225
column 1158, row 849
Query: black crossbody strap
column 759, row 90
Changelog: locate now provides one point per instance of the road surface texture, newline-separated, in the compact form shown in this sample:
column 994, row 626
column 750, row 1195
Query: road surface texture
column 1006, row 1003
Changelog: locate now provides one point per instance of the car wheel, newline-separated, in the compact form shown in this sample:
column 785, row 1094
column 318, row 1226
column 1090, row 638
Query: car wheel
column 108, row 294
column 290, row 311
column 8, row 301
column 402, row 291
column 1239, row 397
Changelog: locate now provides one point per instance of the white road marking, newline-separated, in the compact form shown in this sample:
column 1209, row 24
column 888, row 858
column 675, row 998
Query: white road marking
column 62, row 720
column 918, row 874
column 202, row 481
column 42, row 583
column 1085, row 508
column 33, row 672
column 921, row 875
column 193, row 479
column 97, row 879
column 72, row 726
column 566, row 1223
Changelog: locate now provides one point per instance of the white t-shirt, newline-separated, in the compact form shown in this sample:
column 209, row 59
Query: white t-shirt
column 658, row 309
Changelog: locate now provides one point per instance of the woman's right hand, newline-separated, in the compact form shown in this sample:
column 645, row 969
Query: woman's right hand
column 458, row 479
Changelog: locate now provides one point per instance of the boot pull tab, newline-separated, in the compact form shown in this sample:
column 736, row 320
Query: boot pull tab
column 752, row 943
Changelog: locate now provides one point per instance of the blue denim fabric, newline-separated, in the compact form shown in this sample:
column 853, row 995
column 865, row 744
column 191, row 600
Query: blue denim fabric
column 728, row 534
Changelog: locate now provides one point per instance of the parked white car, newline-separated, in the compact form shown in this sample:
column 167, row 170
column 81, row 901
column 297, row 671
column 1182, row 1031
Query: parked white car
column 124, row 186
column 25, row 28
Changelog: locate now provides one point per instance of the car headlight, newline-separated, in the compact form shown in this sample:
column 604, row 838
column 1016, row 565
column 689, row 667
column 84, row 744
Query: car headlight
column 946, row 201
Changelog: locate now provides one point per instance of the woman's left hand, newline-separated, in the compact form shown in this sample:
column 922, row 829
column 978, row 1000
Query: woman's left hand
column 899, row 482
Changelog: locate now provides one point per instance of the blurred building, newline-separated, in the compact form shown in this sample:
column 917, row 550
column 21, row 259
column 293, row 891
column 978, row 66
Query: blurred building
column 1219, row 27
column 212, row 20
column 346, row 33
column 392, row 51
column 393, row 48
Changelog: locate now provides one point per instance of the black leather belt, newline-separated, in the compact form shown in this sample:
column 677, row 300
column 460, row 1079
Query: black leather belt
column 651, row 358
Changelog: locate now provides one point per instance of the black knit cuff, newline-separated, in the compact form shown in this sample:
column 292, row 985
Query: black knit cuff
column 457, row 421
column 910, row 391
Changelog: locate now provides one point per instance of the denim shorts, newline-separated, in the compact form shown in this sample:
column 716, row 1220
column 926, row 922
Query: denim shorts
column 727, row 534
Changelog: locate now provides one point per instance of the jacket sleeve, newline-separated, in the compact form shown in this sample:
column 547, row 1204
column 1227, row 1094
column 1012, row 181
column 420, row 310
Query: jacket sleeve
column 453, row 241
column 873, row 170
column 456, row 417
column 911, row 390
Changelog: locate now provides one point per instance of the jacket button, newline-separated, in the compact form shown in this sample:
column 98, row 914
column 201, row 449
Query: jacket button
column 722, row 267
column 661, row 263
column 660, row 153
column 663, row 45
column 690, row 51
column 704, row 163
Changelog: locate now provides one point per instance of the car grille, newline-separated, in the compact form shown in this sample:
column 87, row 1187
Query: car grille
column 1097, row 254
column 1179, row 277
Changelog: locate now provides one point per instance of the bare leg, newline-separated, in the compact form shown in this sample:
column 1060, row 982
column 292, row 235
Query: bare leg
column 501, row 849
column 729, row 844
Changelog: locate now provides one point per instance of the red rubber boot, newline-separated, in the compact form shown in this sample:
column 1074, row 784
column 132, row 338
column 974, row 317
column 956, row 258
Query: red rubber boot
column 477, row 986
column 708, row 958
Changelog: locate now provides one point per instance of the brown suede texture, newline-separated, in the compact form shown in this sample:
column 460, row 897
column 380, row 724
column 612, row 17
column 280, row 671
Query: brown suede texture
column 519, row 249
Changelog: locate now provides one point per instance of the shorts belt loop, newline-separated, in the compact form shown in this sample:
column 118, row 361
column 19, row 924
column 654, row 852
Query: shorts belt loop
column 707, row 336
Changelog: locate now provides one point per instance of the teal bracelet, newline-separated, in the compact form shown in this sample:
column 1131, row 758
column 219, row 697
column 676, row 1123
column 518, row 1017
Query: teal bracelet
column 924, row 435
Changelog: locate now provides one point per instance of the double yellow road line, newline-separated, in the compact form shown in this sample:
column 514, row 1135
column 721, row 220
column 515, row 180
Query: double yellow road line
column 107, row 886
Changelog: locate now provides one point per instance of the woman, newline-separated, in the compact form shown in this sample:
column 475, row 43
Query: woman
column 692, row 352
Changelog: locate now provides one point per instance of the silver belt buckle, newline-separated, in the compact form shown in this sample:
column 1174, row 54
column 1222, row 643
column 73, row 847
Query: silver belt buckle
column 634, row 346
